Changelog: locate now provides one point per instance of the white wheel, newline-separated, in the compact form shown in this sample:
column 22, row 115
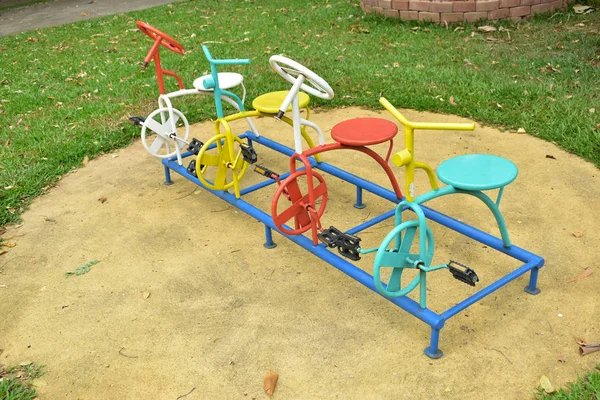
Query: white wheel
column 162, row 131
column 290, row 69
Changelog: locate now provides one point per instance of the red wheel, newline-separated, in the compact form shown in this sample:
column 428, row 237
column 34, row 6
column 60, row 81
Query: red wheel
column 304, row 213
column 166, row 41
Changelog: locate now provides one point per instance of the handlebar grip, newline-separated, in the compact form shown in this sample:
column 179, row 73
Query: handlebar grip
column 425, row 125
column 207, row 53
column 231, row 61
column 223, row 62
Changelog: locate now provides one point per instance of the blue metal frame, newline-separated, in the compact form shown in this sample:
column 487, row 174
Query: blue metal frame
column 532, row 262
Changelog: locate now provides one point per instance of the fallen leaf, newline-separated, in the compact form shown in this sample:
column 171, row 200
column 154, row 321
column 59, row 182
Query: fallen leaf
column 3, row 287
column 145, row 295
column 86, row 160
column 9, row 244
column 486, row 29
column 3, row 252
column 592, row 110
column 587, row 348
column 586, row 272
column 550, row 156
column 521, row 130
column 85, row 14
column 577, row 234
column 451, row 101
column 546, row 385
column 549, row 67
column 270, row 381
column 579, row 9
column 102, row 199
column 561, row 358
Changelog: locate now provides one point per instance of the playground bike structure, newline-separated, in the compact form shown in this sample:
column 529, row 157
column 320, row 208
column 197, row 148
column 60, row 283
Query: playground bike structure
column 300, row 198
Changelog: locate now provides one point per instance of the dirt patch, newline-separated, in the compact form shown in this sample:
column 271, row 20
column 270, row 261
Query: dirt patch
column 185, row 296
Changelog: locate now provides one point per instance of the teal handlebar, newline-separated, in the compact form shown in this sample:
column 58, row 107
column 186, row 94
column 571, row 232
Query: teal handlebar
column 223, row 62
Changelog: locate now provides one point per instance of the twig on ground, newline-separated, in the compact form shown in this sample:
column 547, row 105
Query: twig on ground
column 192, row 192
column 183, row 395
column 507, row 359
column 125, row 355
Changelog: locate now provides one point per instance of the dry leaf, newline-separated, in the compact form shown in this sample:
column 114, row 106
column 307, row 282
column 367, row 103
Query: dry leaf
column 587, row 348
column 577, row 234
column 586, row 272
column 86, row 160
column 546, row 385
column 451, row 101
column 579, row 9
column 550, row 156
column 592, row 110
column 9, row 244
column 102, row 199
column 3, row 252
column 145, row 295
column 561, row 358
column 270, row 381
column 486, row 29
column 521, row 130
column 85, row 14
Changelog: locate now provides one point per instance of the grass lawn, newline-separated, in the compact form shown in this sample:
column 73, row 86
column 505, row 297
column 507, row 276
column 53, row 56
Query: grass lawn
column 16, row 382
column 586, row 387
column 66, row 92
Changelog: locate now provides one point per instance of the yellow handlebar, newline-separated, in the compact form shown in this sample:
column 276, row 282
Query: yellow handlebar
column 424, row 125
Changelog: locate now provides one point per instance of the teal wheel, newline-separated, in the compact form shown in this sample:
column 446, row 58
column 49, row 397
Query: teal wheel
column 398, row 256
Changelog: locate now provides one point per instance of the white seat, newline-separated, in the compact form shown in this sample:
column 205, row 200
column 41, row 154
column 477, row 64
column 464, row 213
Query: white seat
column 227, row 80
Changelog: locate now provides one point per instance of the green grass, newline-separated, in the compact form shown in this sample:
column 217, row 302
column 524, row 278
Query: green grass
column 15, row 382
column 587, row 387
column 66, row 92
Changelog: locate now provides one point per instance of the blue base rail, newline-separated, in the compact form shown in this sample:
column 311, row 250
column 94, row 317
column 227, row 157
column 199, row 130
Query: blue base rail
column 531, row 262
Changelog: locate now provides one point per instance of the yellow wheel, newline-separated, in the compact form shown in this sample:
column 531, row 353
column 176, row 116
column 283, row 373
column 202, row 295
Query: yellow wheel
column 222, row 166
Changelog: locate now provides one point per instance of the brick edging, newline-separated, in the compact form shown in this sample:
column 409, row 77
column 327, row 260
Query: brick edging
column 460, row 10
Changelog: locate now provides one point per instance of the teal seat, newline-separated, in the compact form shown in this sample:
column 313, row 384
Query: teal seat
column 477, row 172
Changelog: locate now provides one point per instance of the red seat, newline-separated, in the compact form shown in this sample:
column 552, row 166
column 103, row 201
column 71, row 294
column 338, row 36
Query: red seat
column 364, row 131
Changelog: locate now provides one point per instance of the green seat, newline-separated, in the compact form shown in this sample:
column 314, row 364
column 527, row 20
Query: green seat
column 477, row 172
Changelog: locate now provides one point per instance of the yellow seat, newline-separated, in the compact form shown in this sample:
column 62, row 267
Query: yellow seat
column 269, row 103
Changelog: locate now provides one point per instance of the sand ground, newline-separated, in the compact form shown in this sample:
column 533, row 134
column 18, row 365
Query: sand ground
column 222, row 310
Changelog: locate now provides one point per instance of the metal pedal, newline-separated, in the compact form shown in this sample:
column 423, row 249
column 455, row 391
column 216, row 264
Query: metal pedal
column 329, row 236
column 346, row 244
column 266, row 172
column 195, row 146
column 191, row 168
column 249, row 153
column 463, row 273
column 136, row 121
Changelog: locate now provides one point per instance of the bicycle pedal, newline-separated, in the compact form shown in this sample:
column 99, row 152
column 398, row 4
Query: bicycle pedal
column 346, row 244
column 328, row 236
column 463, row 273
column 191, row 168
column 195, row 146
column 249, row 153
column 352, row 254
column 136, row 121
column 259, row 169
